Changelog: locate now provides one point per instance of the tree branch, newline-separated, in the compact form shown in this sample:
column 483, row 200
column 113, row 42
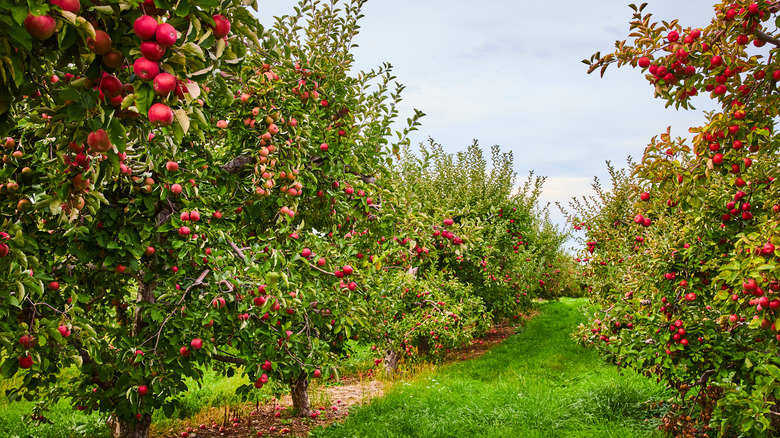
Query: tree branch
column 237, row 164
column 704, row 377
column 767, row 38
column 228, row 359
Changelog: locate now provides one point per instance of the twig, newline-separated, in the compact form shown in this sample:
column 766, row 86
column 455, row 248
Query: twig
column 198, row 282
column 237, row 250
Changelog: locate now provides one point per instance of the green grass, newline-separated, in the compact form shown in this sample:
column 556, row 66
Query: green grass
column 216, row 391
column 62, row 419
column 538, row 383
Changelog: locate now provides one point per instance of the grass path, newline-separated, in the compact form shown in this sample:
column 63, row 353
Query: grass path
column 538, row 383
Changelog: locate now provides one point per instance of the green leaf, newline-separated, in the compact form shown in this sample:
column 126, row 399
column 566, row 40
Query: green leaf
column 193, row 49
column 9, row 367
column 117, row 134
column 144, row 97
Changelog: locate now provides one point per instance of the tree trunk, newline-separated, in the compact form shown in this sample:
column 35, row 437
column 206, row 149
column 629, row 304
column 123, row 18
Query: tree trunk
column 423, row 347
column 300, row 395
column 133, row 429
column 391, row 361
column 774, row 420
column 145, row 295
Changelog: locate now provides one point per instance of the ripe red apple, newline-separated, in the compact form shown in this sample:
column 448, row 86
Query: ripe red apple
column 145, row 27
column 217, row 215
column 321, row 262
column 176, row 189
column 324, row 147
column 644, row 62
column 266, row 366
column 98, row 141
column 221, row 26
column 306, row 253
column 164, row 83
column 26, row 341
column 184, row 231
column 644, row 196
column 68, row 5
column 64, row 331
column 194, row 216
column 171, row 166
column 149, row 251
column 54, row 285
column 152, row 51
column 166, row 35
column 40, row 27
column 347, row 270
column 143, row 390
column 161, row 114
column 111, row 85
column 114, row 59
column 145, row 69
column 101, row 44
column 25, row 361
column 196, row 343
column 317, row 373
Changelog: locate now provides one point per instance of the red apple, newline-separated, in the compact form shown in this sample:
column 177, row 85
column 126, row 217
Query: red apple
column 149, row 251
column 114, row 59
column 152, row 51
column 64, row 331
column 176, row 189
column 221, row 26
column 68, row 5
column 143, row 389
column 164, row 83
column 101, row 44
column 161, row 114
column 145, row 69
column 26, row 341
column 54, row 285
column 196, row 343
column 145, row 27
column 166, row 35
column 40, row 27
column 111, row 85
column 98, row 141
column 25, row 361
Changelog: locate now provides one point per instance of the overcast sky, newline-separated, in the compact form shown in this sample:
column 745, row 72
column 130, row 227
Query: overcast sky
column 508, row 72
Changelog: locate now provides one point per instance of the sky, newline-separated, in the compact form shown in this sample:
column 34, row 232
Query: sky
column 509, row 72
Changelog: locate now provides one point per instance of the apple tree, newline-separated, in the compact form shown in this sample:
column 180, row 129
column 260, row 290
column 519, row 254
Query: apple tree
column 183, row 190
column 696, row 226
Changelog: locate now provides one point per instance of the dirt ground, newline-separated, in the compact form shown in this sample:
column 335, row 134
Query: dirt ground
column 330, row 403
